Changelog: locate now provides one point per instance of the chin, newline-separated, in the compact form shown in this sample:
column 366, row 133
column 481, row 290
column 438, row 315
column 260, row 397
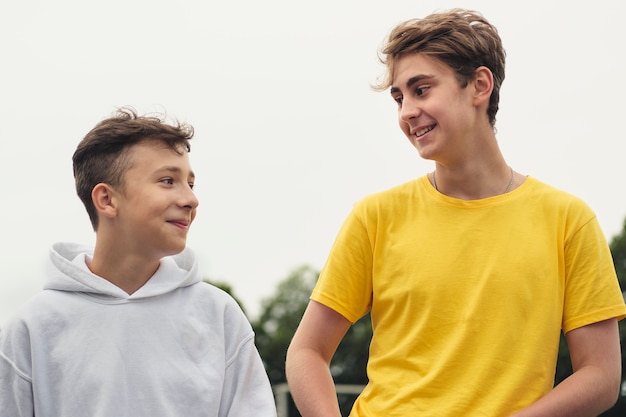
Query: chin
column 178, row 250
column 424, row 153
column 173, row 250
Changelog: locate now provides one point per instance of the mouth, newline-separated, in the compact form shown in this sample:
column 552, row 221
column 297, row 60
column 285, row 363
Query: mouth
column 181, row 224
column 423, row 131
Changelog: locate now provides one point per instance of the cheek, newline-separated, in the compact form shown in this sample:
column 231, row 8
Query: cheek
column 404, row 126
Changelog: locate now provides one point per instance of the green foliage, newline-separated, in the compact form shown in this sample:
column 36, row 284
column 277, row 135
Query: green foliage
column 280, row 316
column 618, row 250
column 563, row 363
column 279, row 319
column 349, row 365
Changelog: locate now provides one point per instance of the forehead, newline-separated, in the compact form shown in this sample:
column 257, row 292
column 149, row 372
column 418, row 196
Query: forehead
column 153, row 153
column 408, row 67
column 155, row 147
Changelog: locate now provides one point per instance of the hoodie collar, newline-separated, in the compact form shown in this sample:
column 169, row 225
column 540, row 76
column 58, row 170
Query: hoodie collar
column 67, row 271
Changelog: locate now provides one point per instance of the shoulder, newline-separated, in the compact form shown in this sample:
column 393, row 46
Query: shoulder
column 553, row 209
column 548, row 195
column 391, row 198
column 210, row 293
column 404, row 190
column 216, row 303
column 37, row 310
column 26, row 324
column 539, row 187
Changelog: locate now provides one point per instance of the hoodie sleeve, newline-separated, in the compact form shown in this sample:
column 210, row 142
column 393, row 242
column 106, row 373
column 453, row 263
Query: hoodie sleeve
column 16, row 393
column 247, row 390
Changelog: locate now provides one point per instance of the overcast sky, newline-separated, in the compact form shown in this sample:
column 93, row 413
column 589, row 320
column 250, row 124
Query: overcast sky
column 288, row 133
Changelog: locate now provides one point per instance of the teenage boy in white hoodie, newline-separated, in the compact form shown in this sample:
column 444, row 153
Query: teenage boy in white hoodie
column 128, row 328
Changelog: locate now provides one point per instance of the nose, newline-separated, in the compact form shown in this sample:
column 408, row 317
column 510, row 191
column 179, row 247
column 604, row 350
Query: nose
column 409, row 110
column 188, row 198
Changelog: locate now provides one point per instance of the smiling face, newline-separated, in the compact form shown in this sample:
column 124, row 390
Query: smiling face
column 156, row 205
column 434, row 112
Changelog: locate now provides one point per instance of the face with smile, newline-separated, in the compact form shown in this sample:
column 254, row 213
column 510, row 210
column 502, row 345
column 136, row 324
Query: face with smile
column 156, row 205
column 434, row 112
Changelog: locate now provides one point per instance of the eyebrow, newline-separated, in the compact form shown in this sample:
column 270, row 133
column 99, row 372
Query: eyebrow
column 175, row 170
column 412, row 81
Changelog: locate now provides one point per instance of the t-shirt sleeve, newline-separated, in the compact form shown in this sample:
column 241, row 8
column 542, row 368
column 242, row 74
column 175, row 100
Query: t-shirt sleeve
column 592, row 291
column 345, row 283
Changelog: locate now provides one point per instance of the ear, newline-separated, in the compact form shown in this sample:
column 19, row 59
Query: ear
column 103, row 197
column 483, row 85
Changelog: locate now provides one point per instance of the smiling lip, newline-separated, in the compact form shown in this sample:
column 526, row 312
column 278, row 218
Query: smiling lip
column 183, row 224
column 421, row 132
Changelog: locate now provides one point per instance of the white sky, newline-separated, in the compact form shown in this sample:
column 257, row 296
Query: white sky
column 288, row 133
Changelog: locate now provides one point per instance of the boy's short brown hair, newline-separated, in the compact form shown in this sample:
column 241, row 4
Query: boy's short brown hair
column 462, row 39
column 102, row 155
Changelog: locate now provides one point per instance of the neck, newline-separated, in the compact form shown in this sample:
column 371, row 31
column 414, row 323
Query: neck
column 128, row 272
column 468, row 184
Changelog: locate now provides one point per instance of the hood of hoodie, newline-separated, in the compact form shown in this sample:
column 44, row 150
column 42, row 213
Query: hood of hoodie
column 67, row 271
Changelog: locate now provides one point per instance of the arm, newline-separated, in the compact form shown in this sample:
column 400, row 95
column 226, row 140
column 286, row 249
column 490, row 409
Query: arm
column 594, row 385
column 247, row 390
column 308, row 360
column 15, row 391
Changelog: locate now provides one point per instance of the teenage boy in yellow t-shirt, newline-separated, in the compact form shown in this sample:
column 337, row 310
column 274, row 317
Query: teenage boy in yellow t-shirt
column 470, row 272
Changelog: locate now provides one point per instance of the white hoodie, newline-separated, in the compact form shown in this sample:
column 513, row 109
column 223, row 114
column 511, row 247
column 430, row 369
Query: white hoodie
column 177, row 347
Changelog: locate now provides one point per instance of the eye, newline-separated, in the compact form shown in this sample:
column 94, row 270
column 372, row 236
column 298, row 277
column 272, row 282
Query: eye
column 397, row 99
column 169, row 181
column 191, row 184
column 420, row 91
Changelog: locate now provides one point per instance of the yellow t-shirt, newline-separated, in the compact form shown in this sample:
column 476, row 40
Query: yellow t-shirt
column 467, row 298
